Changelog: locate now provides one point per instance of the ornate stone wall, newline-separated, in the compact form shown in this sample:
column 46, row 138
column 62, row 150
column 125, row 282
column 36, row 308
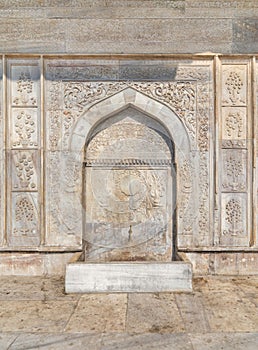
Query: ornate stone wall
column 50, row 107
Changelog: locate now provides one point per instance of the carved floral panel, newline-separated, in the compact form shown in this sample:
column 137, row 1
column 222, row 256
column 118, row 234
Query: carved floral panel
column 25, row 170
column 234, row 85
column 234, row 230
column 234, row 127
column 24, row 84
column 25, row 126
column 25, row 219
column 234, row 170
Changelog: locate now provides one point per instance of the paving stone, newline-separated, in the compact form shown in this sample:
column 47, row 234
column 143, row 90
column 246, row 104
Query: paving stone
column 99, row 313
column 214, row 284
column 36, row 288
column 153, row 313
column 228, row 312
column 56, row 342
column 149, row 341
column 229, row 341
column 6, row 340
column 193, row 312
column 35, row 316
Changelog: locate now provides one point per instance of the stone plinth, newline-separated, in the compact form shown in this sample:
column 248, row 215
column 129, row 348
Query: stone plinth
column 128, row 277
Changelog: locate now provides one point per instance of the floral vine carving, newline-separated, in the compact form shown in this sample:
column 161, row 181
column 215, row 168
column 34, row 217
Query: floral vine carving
column 180, row 96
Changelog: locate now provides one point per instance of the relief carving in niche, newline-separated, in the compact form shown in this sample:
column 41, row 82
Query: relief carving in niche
column 190, row 100
column 234, row 85
column 234, row 218
column 234, row 128
column 24, row 128
column 23, row 87
column 24, row 170
column 25, row 216
column 128, row 194
column 234, row 171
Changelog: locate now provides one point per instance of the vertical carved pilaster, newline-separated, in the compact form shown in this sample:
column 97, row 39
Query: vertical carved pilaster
column 24, row 153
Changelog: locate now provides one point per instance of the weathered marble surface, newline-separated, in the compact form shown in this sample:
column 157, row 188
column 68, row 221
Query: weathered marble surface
column 204, row 201
column 139, row 277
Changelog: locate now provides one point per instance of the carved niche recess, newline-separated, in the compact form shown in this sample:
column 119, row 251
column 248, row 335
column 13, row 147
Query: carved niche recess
column 128, row 190
column 73, row 88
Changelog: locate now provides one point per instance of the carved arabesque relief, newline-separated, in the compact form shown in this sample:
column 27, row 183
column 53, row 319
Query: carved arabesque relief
column 189, row 97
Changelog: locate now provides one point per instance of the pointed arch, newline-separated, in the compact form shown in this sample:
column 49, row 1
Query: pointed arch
column 116, row 103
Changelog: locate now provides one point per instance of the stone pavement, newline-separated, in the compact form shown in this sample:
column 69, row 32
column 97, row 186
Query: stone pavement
column 221, row 313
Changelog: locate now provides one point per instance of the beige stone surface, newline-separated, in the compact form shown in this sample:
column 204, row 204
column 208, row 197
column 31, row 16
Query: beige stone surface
column 153, row 313
column 128, row 26
column 100, row 313
column 35, row 316
column 221, row 312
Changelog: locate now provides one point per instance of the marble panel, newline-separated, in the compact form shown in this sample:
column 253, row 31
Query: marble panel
column 24, row 219
column 234, row 170
column 25, row 170
column 132, row 277
column 234, row 125
column 234, row 85
column 234, row 229
column 24, row 81
column 24, row 128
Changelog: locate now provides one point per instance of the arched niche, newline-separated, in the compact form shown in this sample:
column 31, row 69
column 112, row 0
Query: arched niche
column 96, row 118
column 129, row 189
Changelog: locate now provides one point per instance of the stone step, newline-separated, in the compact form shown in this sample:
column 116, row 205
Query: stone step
column 128, row 277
